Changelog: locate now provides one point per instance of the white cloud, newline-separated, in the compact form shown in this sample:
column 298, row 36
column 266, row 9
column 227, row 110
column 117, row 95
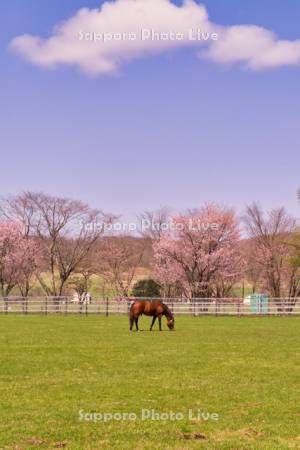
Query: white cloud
column 255, row 47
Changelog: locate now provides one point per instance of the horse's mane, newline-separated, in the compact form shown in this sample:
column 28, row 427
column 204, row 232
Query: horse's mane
column 168, row 311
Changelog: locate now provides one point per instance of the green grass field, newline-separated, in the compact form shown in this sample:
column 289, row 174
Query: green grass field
column 246, row 370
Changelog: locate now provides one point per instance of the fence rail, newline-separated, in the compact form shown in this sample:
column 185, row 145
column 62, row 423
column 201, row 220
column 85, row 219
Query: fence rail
column 191, row 307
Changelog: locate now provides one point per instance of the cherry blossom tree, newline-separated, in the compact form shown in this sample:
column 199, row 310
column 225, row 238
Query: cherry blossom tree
column 154, row 223
column 19, row 256
column 118, row 261
column 269, row 234
column 200, row 252
column 30, row 264
column 66, row 229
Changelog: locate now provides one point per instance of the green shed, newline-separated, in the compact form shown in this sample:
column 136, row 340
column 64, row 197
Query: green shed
column 259, row 303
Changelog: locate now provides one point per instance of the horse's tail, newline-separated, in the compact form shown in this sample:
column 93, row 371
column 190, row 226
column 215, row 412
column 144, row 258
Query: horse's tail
column 130, row 307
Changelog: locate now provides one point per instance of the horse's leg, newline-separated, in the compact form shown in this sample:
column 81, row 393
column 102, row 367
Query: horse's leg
column 136, row 323
column 153, row 321
column 131, row 322
column 159, row 321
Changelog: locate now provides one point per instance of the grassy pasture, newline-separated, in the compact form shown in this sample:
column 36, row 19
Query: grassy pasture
column 246, row 370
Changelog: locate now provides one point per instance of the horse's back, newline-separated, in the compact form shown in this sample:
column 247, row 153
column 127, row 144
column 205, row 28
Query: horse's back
column 147, row 307
column 156, row 306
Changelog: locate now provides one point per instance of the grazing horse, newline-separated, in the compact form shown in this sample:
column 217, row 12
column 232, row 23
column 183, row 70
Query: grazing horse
column 154, row 308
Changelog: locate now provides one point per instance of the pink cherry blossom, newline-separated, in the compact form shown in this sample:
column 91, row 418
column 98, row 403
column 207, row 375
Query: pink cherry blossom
column 201, row 252
column 18, row 256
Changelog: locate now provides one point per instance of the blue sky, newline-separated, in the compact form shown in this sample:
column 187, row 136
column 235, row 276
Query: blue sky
column 169, row 129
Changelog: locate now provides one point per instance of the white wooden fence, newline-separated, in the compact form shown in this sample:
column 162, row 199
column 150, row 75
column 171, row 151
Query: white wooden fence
column 191, row 307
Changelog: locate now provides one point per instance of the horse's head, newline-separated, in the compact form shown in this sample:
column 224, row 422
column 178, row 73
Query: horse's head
column 170, row 323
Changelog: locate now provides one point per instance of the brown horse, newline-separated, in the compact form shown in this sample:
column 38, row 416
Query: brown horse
column 154, row 308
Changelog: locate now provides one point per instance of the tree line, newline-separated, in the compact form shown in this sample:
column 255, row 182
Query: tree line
column 58, row 244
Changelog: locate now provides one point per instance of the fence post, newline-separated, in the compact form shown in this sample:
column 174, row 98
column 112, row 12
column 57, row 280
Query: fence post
column 5, row 305
column 66, row 305
column 56, row 301
column 26, row 305
column 106, row 307
column 216, row 307
column 46, row 306
column 86, row 307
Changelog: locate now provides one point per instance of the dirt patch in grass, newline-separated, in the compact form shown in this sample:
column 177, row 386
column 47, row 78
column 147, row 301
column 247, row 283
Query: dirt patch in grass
column 36, row 441
column 248, row 433
column 60, row 444
column 196, row 436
